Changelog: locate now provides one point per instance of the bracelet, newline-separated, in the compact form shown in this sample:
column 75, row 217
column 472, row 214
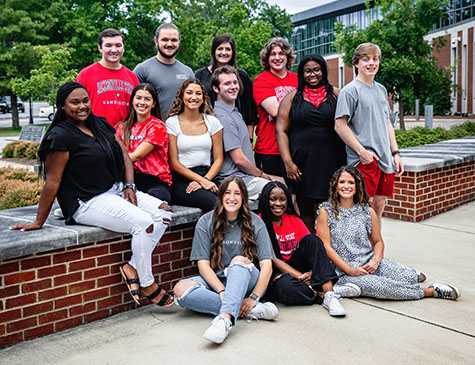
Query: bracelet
column 206, row 178
column 394, row 153
column 130, row 185
column 376, row 260
column 221, row 291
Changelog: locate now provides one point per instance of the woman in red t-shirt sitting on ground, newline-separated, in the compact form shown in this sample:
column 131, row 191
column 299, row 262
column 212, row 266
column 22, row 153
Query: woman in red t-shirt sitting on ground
column 301, row 267
column 146, row 138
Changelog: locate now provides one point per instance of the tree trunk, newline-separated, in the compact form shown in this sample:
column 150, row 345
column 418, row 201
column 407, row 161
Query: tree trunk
column 30, row 102
column 402, row 125
column 15, row 118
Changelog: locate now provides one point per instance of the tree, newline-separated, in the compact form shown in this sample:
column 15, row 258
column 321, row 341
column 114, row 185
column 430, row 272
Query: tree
column 45, row 79
column 408, row 68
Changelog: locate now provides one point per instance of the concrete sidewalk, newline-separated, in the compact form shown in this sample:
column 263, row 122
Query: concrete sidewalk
column 374, row 331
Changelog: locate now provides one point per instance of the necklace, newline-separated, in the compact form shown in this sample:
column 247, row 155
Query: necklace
column 232, row 223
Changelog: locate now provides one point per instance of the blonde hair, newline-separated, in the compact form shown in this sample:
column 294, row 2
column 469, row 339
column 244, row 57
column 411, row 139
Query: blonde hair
column 363, row 50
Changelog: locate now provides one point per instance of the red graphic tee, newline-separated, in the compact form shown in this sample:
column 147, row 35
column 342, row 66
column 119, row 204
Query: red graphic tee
column 153, row 131
column 289, row 234
column 109, row 90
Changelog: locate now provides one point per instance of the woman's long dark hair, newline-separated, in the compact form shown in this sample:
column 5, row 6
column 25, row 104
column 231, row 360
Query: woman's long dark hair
column 106, row 140
column 132, row 116
column 296, row 109
column 361, row 196
column 220, row 225
column 178, row 105
column 267, row 215
column 217, row 41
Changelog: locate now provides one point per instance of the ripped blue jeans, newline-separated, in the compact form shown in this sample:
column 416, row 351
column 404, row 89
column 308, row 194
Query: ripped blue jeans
column 239, row 281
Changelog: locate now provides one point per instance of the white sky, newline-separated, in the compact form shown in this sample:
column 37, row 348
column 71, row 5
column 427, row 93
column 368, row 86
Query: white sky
column 296, row 6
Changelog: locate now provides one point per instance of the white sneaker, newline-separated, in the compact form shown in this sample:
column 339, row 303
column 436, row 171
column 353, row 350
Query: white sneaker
column 421, row 277
column 347, row 290
column 333, row 305
column 265, row 310
column 445, row 291
column 58, row 213
column 219, row 329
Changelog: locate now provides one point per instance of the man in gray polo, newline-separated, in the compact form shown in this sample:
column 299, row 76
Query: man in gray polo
column 238, row 157
column 164, row 71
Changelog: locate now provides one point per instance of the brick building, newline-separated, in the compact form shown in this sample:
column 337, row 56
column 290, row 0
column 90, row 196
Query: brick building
column 314, row 33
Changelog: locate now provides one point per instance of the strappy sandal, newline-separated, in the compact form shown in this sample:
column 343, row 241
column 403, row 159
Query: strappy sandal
column 129, row 282
column 164, row 299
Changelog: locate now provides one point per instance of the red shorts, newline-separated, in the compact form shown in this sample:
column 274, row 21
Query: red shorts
column 377, row 181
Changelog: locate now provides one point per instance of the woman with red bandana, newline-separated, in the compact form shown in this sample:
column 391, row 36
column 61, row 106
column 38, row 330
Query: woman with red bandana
column 310, row 148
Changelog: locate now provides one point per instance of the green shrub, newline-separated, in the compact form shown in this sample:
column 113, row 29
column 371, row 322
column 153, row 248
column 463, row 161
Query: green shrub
column 31, row 152
column 10, row 173
column 20, row 149
column 423, row 135
column 24, row 191
column 9, row 149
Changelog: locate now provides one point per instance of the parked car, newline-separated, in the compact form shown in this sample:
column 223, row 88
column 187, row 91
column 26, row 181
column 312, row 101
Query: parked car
column 20, row 104
column 3, row 105
column 47, row 112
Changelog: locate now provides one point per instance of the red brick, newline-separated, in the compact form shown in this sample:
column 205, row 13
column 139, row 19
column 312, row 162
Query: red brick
column 20, row 301
column 109, row 280
column 82, row 286
column 157, row 269
column 169, row 276
column 36, row 262
column 53, row 316
column 9, row 267
column 95, row 294
column 95, row 273
column 82, row 264
column 180, row 264
column 172, row 236
column 95, row 251
column 20, row 277
column 21, row 325
column 123, row 307
column 11, row 339
column 188, row 233
column 190, row 271
column 37, row 308
column 66, row 257
column 68, row 301
column 181, row 245
column 117, row 289
column 185, row 254
column 109, row 302
column 3, row 330
column 109, row 259
column 39, row 331
column 81, row 309
column 67, row 279
column 8, row 316
column 51, row 271
column 170, row 256
column 119, row 247
column 35, row 286
column 10, row 291
column 53, row 293
column 69, row 323
column 162, row 248
column 110, row 240
column 96, row 315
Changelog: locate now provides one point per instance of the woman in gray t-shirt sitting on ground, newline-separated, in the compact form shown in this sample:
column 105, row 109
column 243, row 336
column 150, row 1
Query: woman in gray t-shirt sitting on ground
column 230, row 243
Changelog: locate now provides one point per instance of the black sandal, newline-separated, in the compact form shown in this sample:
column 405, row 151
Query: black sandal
column 129, row 282
column 164, row 299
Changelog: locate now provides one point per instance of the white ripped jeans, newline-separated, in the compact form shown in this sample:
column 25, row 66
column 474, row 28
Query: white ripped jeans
column 111, row 211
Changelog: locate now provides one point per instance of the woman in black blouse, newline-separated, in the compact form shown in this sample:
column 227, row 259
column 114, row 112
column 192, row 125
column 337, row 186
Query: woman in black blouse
column 88, row 169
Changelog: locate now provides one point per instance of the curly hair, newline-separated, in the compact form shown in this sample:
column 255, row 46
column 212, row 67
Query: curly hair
column 296, row 109
column 132, row 116
column 178, row 106
column 361, row 196
column 221, row 224
column 266, row 214
column 277, row 42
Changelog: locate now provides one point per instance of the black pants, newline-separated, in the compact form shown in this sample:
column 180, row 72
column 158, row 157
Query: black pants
column 270, row 164
column 309, row 256
column 201, row 198
column 153, row 186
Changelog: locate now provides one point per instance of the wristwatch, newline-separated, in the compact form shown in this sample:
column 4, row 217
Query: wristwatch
column 254, row 296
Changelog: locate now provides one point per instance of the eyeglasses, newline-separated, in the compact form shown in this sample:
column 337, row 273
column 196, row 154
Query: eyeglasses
column 309, row 72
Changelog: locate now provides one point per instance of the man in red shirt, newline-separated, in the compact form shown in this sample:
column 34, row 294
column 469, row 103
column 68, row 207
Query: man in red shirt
column 108, row 83
column 269, row 88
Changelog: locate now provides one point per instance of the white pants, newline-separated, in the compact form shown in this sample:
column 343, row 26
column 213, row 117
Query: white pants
column 255, row 186
column 111, row 211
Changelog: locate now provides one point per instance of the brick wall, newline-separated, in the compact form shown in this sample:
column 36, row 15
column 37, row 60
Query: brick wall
column 421, row 195
column 56, row 290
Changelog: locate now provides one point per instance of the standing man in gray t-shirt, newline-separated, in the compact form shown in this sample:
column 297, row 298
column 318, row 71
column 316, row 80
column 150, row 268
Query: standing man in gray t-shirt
column 164, row 71
column 362, row 121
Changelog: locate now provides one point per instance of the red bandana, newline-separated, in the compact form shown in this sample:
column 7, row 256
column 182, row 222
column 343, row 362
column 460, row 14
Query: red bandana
column 315, row 96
